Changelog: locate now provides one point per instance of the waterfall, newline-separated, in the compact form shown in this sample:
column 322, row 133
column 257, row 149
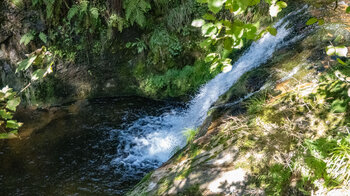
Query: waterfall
column 150, row 140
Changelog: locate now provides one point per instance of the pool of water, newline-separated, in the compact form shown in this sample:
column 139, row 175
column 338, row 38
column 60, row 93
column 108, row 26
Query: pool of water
column 75, row 154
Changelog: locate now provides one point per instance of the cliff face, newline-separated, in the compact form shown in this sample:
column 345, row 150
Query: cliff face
column 70, row 80
column 278, row 140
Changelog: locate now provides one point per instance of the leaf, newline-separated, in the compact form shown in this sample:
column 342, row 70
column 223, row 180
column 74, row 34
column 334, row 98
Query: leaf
column 26, row 38
column 94, row 13
column 10, row 135
column 210, row 57
column 320, row 22
column 228, row 43
column 72, row 12
column 13, row 124
column 38, row 74
column 272, row 30
column 347, row 10
column 282, row 4
column 43, row 37
column 198, row 23
column 208, row 30
column 13, row 103
column 340, row 61
column 208, row 16
column 312, row 21
column 339, row 106
column 5, row 115
column 25, row 64
column 338, row 50
column 215, row 5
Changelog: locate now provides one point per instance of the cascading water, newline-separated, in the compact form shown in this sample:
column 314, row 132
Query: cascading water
column 150, row 141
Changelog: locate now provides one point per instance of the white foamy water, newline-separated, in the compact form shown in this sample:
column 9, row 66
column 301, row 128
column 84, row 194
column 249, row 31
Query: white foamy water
column 150, row 141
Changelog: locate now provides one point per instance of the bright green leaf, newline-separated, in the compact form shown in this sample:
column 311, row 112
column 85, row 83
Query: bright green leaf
column 348, row 10
column 311, row 21
column 272, row 30
column 13, row 103
column 209, row 17
column 215, row 5
column 339, row 106
column 320, row 22
column 340, row 61
column 210, row 57
column 5, row 115
column 281, row 4
column 13, row 124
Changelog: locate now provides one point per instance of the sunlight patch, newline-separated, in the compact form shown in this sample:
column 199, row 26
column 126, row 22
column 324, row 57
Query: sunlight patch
column 228, row 181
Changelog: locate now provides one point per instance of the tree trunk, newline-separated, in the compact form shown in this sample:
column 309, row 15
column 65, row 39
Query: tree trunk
column 116, row 6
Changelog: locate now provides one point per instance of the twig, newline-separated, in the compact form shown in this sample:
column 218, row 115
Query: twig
column 28, row 85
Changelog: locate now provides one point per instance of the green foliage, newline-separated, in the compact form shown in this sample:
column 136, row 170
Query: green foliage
column 232, row 34
column 8, row 105
column 26, row 38
column 337, row 50
column 338, row 165
column 135, row 11
column 314, row 20
column 190, row 134
column 255, row 105
column 180, row 16
column 43, row 61
column 276, row 179
column 177, row 82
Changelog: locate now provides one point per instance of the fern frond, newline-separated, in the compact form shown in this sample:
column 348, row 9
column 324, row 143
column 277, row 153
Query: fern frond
column 72, row 12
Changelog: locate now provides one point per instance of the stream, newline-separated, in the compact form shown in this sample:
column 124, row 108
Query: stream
column 111, row 144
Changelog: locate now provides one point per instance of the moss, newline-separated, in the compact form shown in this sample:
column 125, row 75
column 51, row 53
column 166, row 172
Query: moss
column 183, row 174
column 193, row 190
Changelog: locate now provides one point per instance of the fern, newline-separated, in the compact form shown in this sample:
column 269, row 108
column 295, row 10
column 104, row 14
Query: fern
column 180, row 16
column 43, row 37
column 26, row 38
column 72, row 12
column 135, row 11
column 94, row 13
column 49, row 8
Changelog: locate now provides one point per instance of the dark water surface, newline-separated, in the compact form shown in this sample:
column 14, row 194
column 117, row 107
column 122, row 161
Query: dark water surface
column 73, row 155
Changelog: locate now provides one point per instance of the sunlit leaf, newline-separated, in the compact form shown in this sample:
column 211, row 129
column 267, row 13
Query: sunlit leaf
column 38, row 74
column 13, row 124
column 210, row 57
column 198, row 23
column 281, row 4
column 337, row 50
column 25, row 64
column 340, row 61
column 215, row 5
column 312, row 21
column 339, row 106
column 13, row 103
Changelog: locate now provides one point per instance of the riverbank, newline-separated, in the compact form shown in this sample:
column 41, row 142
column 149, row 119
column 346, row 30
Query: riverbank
column 276, row 141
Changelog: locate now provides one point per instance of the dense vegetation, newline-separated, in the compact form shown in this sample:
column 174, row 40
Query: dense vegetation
column 168, row 49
